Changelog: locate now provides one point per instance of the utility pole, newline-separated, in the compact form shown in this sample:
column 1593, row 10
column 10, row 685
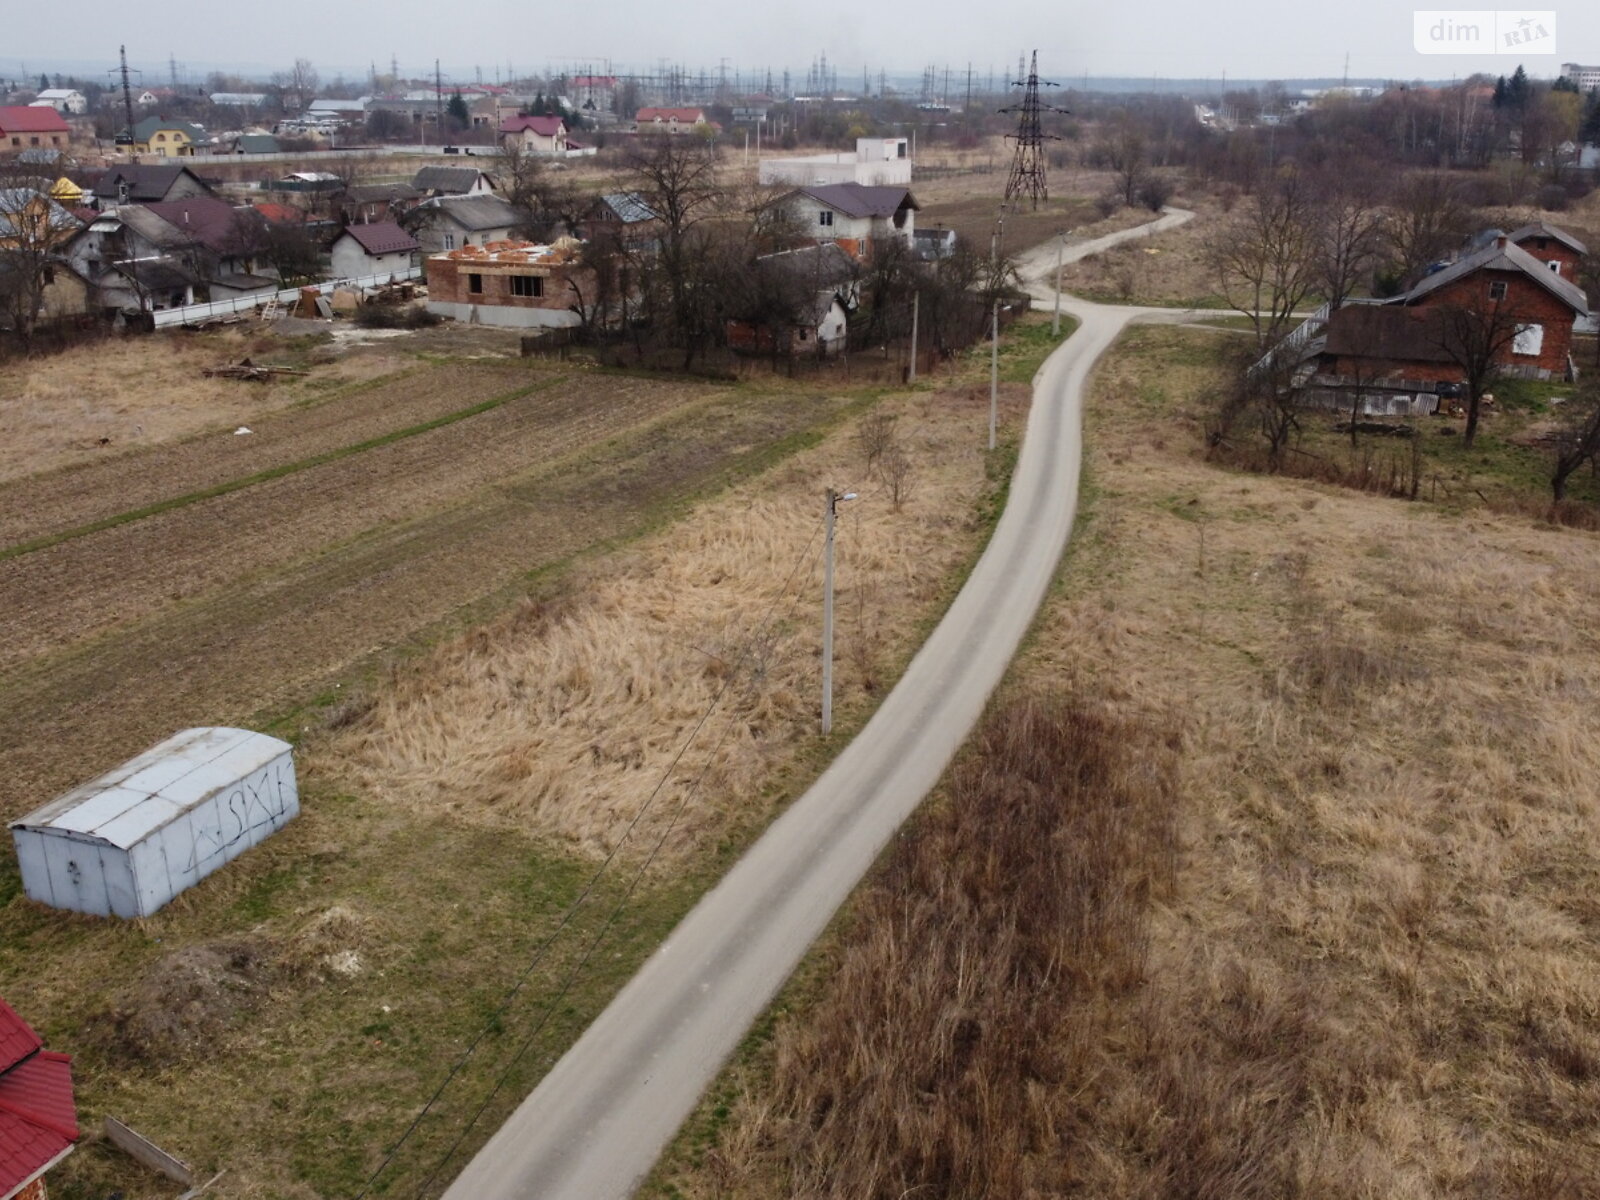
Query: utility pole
column 438, row 99
column 994, row 369
column 833, row 499
column 916, row 299
column 1055, row 324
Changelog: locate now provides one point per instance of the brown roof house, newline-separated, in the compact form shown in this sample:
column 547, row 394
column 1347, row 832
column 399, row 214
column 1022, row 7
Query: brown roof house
column 855, row 216
column 539, row 135
column 517, row 285
column 1521, row 307
column 378, row 248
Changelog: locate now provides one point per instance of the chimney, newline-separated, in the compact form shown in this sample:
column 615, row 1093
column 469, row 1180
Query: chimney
column 1501, row 241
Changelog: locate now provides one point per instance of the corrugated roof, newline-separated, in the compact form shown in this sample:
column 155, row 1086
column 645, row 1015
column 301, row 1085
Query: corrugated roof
column 629, row 207
column 1509, row 257
column 382, row 237
column 127, row 804
column 1539, row 229
column 858, row 200
column 475, row 213
column 450, row 180
column 25, row 118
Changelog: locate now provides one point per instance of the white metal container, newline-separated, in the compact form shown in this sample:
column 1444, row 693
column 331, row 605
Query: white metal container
column 126, row 843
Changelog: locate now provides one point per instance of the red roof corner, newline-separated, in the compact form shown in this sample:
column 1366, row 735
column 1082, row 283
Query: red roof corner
column 25, row 118
column 38, row 1120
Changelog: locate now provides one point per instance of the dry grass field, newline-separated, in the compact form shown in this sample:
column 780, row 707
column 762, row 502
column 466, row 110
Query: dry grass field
column 463, row 777
column 1312, row 779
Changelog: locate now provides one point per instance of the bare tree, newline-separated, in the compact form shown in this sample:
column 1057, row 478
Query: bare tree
column 1349, row 234
column 34, row 229
column 298, row 85
column 1260, row 402
column 1476, row 335
column 1263, row 259
column 1124, row 153
column 1578, row 441
column 1427, row 219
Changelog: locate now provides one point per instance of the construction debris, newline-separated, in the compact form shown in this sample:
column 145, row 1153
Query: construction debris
column 245, row 369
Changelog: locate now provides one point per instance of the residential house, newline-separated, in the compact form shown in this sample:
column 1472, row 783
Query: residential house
column 143, row 183
column 1556, row 248
column 153, row 256
column 672, row 121
column 1404, row 344
column 806, row 297
column 250, row 143
column 147, row 99
column 453, row 181
column 367, row 202
column 34, row 232
column 24, row 127
column 380, row 248
column 38, row 1113
column 538, row 135
column 855, row 216
column 518, row 285
column 69, row 102
column 167, row 138
column 624, row 217
column 31, row 219
column 454, row 222
column 877, row 162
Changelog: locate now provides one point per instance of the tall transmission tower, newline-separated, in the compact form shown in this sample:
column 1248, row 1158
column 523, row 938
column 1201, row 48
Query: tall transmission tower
column 1028, row 166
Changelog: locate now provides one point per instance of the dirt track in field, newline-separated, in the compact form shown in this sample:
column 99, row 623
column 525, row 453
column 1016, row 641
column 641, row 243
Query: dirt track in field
column 250, row 601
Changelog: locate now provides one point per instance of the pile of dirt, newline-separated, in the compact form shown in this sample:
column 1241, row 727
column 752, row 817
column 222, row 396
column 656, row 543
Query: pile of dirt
column 186, row 1001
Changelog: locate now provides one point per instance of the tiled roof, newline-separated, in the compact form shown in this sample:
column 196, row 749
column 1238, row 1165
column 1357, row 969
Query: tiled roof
column 25, row 118
column 857, row 200
column 382, row 237
column 38, row 1121
column 543, row 126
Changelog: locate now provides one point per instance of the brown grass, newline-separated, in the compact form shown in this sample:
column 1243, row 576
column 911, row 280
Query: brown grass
column 563, row 718
column 138, row 391
column 1375, row 971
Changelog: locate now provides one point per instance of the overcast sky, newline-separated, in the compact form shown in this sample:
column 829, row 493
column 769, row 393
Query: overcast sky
column 1165, row 38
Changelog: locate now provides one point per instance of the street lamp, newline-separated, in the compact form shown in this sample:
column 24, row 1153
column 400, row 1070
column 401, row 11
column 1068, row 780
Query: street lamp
column 833, row 500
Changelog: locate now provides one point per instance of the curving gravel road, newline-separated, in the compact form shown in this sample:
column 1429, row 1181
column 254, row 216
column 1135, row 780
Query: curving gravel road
column 595, row 1125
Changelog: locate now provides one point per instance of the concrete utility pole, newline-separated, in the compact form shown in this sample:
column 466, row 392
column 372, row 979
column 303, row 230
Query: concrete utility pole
column 916, row 299
column 833, row 499
column 994, row 370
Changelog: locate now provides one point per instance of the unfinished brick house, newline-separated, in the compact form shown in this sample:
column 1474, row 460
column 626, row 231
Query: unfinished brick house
column 518, row 285
column 1407, row 345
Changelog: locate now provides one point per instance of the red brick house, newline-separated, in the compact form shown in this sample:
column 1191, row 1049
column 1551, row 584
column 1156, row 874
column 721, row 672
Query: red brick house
column 1555, row 247
column 38, row 1119
column 517, row 285
column 1408, row 339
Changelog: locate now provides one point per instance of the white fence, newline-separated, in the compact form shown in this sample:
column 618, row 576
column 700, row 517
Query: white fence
column 190, row 313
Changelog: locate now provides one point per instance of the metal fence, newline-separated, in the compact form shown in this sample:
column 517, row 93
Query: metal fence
column 190, row 313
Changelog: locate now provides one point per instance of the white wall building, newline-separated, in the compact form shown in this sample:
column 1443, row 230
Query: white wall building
column 126, row 843
column 69, row 102
column 877, row 162
column 1585, row 77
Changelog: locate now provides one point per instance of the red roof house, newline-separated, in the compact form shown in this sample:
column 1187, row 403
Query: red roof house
column 546, row 134
column 669, row 120
column 38, row 1120
column 25, row 126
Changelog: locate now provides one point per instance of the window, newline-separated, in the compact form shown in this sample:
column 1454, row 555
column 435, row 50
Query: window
column 1554, row 266
column 1529, row 340
column 1497, row 290
column 824, row 217
column 475, row 284
column 449, row 241
column 33, row 141
column 49, row 276
column 161, row 137
column 527, row 285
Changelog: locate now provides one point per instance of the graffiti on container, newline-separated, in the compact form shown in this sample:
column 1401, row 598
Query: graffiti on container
column 255, row 802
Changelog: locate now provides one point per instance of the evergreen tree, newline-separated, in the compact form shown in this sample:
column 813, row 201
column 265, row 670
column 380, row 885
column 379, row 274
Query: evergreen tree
column 457, row 108
column 44, row 82
column 1563, row 84
column 1501, row 93
column 1591, row 120
column 1519, row 89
